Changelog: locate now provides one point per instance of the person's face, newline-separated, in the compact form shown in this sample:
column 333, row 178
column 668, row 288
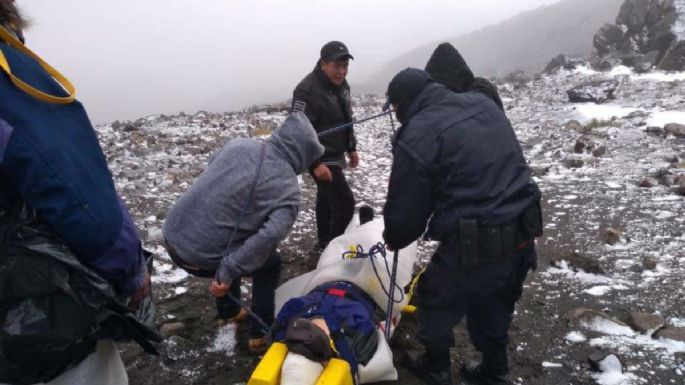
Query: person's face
column 336, row 70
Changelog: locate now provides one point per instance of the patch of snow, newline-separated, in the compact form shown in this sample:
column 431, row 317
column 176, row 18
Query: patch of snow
column 546, row 364
column 661, row 76
column 679, row 25
column 678, row 322
column 582, row 276
column 588, row 111
column 585, row 70
column 662, row 118
column 180, row 290
column 598, row 291
column 620, row 70
column 166, row 273
column 225, row 340
column 612, row 372
column 607, row 326
column 672, row 346
column 575, row 337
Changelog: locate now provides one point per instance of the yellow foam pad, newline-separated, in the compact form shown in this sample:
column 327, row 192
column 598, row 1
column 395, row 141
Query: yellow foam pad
column 268, row 371
column 337, row 372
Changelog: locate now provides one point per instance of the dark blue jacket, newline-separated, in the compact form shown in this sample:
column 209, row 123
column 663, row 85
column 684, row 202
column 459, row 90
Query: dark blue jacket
column 50, row 157
column 455, row 156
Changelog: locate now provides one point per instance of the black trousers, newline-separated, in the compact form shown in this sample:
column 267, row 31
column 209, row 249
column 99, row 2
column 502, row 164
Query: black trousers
column 486, row 295
column 334, row 206
column 264, row 283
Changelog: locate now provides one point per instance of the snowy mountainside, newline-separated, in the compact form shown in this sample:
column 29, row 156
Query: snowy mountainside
column 613, row 183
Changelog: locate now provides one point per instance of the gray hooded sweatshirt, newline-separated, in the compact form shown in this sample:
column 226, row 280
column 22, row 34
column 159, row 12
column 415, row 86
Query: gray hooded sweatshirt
column 199, row 225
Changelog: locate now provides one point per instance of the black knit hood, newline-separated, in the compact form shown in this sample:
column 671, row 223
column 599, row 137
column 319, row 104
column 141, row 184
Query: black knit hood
column 404, row 88
column 446, row 66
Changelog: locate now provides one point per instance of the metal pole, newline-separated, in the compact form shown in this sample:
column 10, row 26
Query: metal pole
column 255, row 317
column 347, row 125
column 391, row 296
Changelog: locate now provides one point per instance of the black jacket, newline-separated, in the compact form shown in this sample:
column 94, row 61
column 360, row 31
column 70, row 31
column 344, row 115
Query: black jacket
column 326, row 106
column 455, row 156
column 447, row 67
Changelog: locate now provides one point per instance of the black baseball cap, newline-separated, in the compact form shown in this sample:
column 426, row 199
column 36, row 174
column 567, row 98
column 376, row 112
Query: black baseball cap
column 335, row 50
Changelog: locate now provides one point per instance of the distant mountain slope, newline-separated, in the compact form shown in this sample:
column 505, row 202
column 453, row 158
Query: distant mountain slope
column 527, row 41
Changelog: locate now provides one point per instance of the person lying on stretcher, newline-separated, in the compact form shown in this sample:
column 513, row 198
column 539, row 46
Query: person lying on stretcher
column 336, row 311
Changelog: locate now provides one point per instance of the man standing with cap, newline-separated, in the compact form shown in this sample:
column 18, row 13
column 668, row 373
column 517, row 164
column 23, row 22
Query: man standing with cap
column 324, row 96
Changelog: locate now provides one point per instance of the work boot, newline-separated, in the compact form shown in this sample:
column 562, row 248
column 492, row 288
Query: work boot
column 475, row 373
column 241, row 316
column 417, row 364
column 258, row 346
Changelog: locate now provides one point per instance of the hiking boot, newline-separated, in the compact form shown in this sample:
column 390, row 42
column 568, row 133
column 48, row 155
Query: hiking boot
column 475, row 373
column 240, row 317
column 418, row 366
column 258, row 346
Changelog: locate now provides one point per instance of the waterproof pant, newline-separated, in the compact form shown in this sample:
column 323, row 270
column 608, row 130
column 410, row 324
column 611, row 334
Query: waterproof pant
column 334, row 206
column 486, row 295
column 264, row 283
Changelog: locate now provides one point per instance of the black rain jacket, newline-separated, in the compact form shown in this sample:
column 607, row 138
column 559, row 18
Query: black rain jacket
column 326, row 106
column 455, row 156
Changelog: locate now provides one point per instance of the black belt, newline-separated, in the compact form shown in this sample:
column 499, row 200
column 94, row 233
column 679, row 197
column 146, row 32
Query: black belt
column 194, row 270
column 476, row 242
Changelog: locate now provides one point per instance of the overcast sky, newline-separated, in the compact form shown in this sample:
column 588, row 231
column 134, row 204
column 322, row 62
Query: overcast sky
column 132, row 58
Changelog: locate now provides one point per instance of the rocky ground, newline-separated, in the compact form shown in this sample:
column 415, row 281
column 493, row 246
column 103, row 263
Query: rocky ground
column 612, row 260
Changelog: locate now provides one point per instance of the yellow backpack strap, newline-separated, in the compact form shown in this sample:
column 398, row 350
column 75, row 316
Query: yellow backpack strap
column 10, row 39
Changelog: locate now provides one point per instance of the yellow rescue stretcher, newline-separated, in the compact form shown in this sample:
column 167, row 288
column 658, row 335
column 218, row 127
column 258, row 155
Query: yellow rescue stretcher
column 268, row 372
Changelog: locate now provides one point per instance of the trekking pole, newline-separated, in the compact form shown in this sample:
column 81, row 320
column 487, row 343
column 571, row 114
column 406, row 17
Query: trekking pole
column 253, row 315
column 391, row 295
column 347, row 125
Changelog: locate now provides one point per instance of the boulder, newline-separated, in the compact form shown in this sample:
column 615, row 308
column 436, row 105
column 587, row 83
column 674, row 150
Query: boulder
column 671, row 333
column 675, row 129
column 605, row 362
column 172, row 329
column 681, row 188
column 649, row 263
column 641, row 63
column 555, row 64
column 539, row 170
column 575, row 126
column 643, row 36
column 654, row 130
column 585, row 316
column 599, row 151
column 612, row 236
column 585, row 143
column 639, row 321
column 648, row 182
column 674, row 58
column 595, row 91
column 560, row 62
column 610, row 38
column 577, row 261
column 573, row 163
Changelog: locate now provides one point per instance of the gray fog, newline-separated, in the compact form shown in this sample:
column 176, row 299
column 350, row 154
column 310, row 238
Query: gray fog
column 132, row 58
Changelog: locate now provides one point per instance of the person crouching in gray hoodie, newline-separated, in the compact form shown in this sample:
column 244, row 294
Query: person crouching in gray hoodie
column 231, row 220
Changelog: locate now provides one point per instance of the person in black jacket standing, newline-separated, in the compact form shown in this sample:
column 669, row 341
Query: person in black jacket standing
column 324, row 96
column 457, row 161
column 447, row 67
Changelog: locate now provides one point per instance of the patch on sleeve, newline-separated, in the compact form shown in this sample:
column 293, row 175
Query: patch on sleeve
column 299, row 105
